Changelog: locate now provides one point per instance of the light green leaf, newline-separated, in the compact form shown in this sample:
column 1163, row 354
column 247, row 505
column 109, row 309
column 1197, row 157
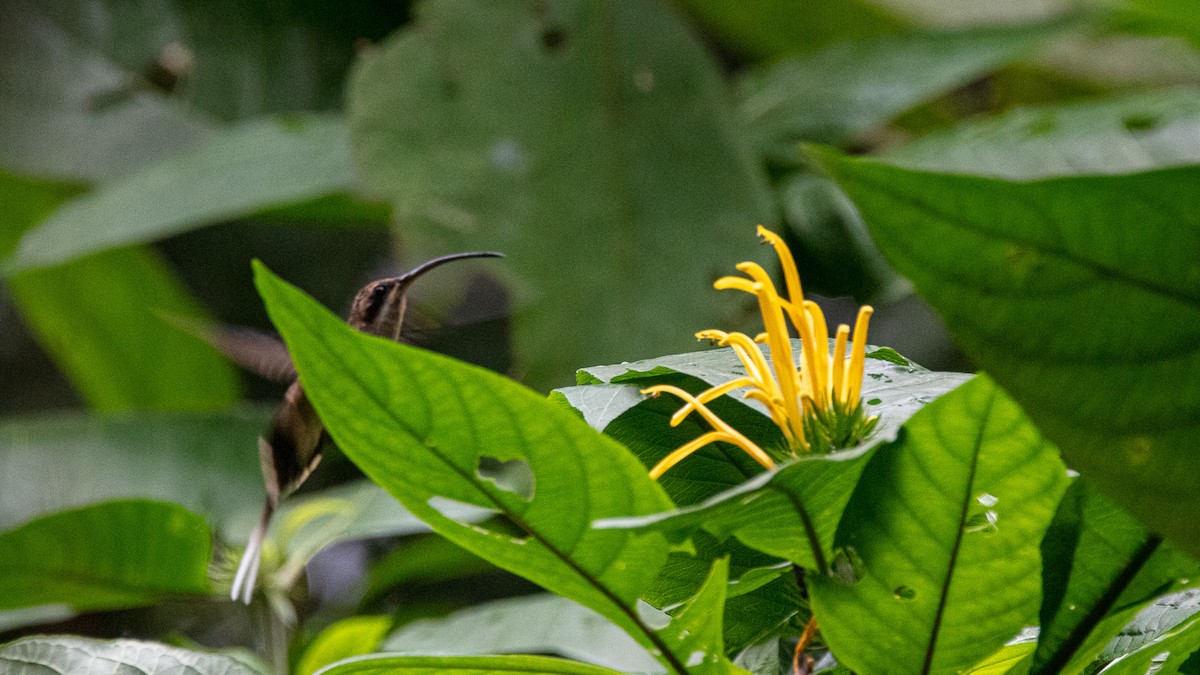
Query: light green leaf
column 1174, row 652
column 528, row 129
column 1166, row 615
column 1100, row 568
column 101, row 318
column 255, row 165
column 343, row 639
column 206, row 462
column 432, row 430
column 384, row 664
column 696, row 629
column 940, row 562
column 107, row 556
column 537, row 624
column 1119, row 135
column 843, row 90
column 772, row 28
column 791, row 513
column 62, row 655
column 1081, row 296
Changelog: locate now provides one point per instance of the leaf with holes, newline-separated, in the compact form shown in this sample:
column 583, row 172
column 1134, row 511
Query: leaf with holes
column 1081, row 297
column 940, row 562
column 529, row 127
column 433, row 431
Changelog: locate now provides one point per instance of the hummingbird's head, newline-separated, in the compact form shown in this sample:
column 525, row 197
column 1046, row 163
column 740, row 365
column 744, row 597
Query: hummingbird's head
column 378, row 308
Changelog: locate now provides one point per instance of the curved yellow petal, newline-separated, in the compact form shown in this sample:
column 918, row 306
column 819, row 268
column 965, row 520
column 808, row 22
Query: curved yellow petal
column 729, row 434
column 858, row 349
column 791, row 276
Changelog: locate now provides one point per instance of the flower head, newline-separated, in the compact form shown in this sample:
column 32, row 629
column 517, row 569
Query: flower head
column 816, row 404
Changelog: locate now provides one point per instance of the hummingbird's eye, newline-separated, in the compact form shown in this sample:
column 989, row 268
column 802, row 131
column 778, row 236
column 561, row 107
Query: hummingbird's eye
column 375, row 302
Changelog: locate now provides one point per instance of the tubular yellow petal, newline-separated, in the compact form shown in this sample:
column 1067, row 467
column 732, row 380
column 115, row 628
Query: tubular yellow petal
column 710, row 394
column 753, row 360
column 782, row 359
column 728, row 433
column 681, row 453
column 839, row 363
column 820, row 344
column 790, row 276
column 775, row 408
column 858, row 350
column 736, row 283
column 711, row 334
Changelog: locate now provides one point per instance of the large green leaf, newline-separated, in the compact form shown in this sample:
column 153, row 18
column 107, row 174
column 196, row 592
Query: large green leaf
column 343, row 639
column 249, row 167
column 110, row 555
column 62, row 655
column 1121, row 135
column 851, row 87
column 101, row 319
column 1173, row 652
column 531, row 128
column 384, row 664
column 1081, row 296
column 941, row 563
column 1100, row 568
column 432, row 430
column 538, row 624
column 206, row 462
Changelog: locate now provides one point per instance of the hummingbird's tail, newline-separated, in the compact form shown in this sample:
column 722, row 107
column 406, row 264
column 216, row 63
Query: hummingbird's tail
column 247, row 572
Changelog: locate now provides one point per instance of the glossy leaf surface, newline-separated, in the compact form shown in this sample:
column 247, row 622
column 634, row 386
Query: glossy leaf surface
column 384, row 664
column 1101, row 567
column 1081, row 296
column 940, row 562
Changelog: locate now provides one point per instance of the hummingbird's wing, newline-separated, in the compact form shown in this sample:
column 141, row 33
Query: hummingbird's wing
column 262, row 354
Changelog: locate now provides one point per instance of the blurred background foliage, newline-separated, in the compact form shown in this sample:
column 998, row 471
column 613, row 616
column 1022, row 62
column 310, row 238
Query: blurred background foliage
column 619, row 152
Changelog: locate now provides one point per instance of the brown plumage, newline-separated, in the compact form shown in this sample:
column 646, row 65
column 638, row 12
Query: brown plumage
column 291, row 448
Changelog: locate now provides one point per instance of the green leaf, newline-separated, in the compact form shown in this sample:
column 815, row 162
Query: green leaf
column 696, row 630
column 762, row 595
column 253, row 166
column 422, row 560
column 62, row 655
column 539, row 624
column 791, row 513
column 1100, row 567
column 1174, row 652
column 940, row 563
column 431, row 430
column 835, row 94
column 527, row 129
column 101, row 319
column 384, row 664
column 1081, row 296
column 107, row 556
column 206, row 462
column 1132, row 133
column 343, row 639
column 772, row 28
column 1166, row 615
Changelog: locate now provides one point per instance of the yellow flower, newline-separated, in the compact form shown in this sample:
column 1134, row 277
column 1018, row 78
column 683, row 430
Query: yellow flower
column 817, row 405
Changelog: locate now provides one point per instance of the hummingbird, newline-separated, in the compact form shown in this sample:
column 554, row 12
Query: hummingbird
column 291, row 447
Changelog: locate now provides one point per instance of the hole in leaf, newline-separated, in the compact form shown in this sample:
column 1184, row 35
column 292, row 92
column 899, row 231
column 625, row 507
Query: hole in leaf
column 904, row 593
column 459, row 512
column 874, row 401
column 847, row 567
column 514, row 475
